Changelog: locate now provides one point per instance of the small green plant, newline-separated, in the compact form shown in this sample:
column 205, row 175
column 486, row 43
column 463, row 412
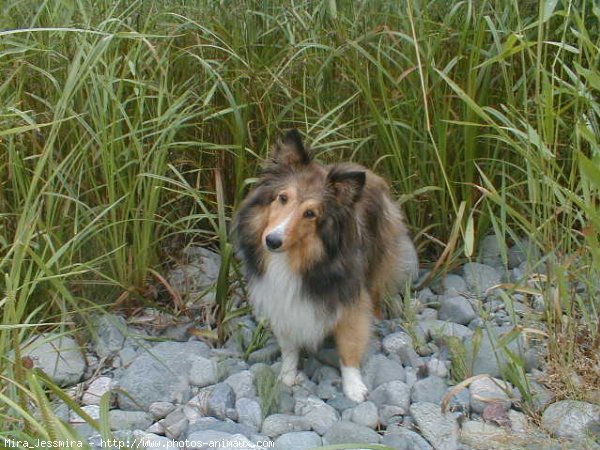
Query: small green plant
column 269, row 389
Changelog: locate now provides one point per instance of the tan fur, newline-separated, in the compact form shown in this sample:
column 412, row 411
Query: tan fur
column 353, row 331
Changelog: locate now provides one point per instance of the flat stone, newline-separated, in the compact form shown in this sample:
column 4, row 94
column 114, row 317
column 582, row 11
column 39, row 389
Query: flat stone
column 175, row 423
column 437, row 368
column 249, row 412
column 129, row 420
column 484, row 391
column 242, row 384
column 192, row 280
column 450, row 282
column 572, row 419
column 431, row 389
column 489, row 251
column 379, row 369
column 401, row 438
column 57, row 356
column 224, row 426
column 441, row 430
column 160, row 375
column 298, row 440
column 319, row 415
column 365, row 414
column 393, row 343
column 220, row 400
column 278, row 424
column 160, row 410
column 491, row 360
column 457, row 310
column 480, row 278
column 96, row 390
column 439, row 330
column 110, row 333
column 203, row 372
column 394, row 393
column 344, row 432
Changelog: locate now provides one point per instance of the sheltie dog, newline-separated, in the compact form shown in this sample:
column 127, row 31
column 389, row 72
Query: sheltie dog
column 321, row 245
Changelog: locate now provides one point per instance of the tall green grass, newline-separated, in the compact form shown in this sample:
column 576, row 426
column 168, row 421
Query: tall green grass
column 115, row 117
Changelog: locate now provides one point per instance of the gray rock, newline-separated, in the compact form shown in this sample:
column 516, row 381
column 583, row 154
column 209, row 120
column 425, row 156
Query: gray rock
column 541, row 396
column 204, row 372
column 286, row 403
column 431, row 389
column 194, row 279
column 326, row 373
column 249, row 412
column 482, row 435
column 327, row 389
column 489, row 251
column 379, row 370
column 480, row 278
column 298, row 440
column 344, row 432
column 439, row 330
column 520, row 253
column 484, row 391
column 109, row 334
column 242, row 384
column 365, row 414
column 429, row 314
column 572, row 419
column 401, row 438
column 394, row 343
column 441, row 430
column 162, row 375
column 490, row 359
column 160, row 410
column 390, row 414
column 426, row 296
column 175, row 423
column 457, row 310
column 230, row 366
column 267, row 354
column 129, row 420
column 96, row 390
column 395, row 393
column 220, row 401
column 91, row 410
column 224, row 426
column 450, row 282
column 341, row 402
column 57, row 356
column 278, row 424
column 319, row 415
column 437, row 368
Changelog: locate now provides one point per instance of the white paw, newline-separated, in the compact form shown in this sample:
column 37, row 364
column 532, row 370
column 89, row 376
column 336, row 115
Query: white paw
column 356, row 391
column 289, row 378
column 354, row 388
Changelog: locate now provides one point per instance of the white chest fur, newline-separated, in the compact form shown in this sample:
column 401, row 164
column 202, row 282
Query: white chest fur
column 277, row 296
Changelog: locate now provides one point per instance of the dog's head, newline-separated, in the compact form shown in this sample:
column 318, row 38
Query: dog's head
column 301, row 207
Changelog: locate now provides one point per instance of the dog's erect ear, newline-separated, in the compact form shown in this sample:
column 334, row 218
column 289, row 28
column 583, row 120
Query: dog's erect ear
column 347, row 184
column 290, row 151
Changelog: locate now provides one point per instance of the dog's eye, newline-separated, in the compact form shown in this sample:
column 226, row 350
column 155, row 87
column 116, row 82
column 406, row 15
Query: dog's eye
column 309, row 214
column 283, row 198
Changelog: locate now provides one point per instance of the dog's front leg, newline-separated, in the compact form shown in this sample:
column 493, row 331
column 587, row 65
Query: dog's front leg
column 289, row 362
column 352, row 334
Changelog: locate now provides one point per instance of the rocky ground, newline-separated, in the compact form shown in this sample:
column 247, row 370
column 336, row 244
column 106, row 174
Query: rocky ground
column 179, row 388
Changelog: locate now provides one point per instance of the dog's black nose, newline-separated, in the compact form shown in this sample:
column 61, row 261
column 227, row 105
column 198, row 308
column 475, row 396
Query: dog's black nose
column 273, row 241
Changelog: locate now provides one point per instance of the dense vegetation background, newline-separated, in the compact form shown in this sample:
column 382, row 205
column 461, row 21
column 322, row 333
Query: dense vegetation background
column 129, row 128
